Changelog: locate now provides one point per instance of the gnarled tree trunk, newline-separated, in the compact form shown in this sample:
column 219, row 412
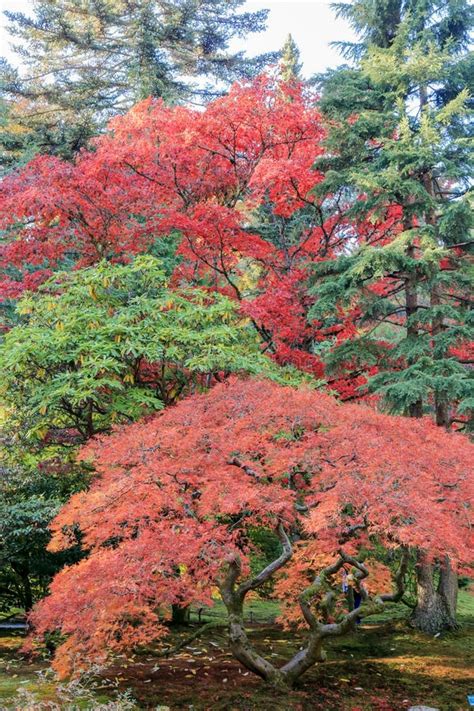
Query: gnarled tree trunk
column 448, row 590
column 435, row 610
column 233, row 596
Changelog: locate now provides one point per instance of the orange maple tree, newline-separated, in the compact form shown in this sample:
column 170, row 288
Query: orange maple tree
column 169, row 514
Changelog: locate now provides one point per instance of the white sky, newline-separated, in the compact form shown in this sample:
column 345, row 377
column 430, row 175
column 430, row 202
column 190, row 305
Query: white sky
column 313, row 25
column 311, row 22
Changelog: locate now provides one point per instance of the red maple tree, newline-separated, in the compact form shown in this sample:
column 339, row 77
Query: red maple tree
column 235, row 181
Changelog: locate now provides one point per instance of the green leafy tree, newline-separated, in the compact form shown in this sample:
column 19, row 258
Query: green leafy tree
column 111, row 343
column 82, row 62
column 28, row 503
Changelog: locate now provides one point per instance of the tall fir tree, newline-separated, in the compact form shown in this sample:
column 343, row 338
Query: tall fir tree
column 398, row 154
column 82, row 62
column 290, row 65
column 398, row 146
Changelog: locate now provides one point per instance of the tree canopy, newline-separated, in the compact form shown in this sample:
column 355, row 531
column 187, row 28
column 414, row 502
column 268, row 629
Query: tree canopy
column 112, row 343
column 168, row 516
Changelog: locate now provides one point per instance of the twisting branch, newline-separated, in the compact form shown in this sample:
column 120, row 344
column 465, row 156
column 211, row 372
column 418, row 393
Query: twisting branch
column 307, row 596
column 272, row 567
column 171, row 651
column 234, row 599
column 349, row 532
column 400, row 577
column 235, row 461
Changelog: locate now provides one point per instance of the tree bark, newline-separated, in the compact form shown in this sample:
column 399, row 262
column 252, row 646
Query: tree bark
column 233, row 596
column 179, row 615
column 435, row 610
column 440, row 401
column 245, row 653
column 411, row 309
column 448, row 590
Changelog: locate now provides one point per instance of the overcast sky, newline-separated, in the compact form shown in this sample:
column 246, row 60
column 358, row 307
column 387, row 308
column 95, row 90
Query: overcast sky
column 311, row 22
column 313, row 25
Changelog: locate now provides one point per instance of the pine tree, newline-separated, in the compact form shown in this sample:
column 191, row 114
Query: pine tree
column 290, row 65
column 397, row 155
column 83, row 62
column 401, row 149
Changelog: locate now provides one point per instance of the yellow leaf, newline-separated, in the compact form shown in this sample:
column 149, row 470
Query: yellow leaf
column 23, row 310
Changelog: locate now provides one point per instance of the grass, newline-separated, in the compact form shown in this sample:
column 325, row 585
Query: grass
column 384, row 666
column 466, row 607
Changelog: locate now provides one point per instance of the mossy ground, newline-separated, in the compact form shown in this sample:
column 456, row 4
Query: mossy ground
column 384, row 666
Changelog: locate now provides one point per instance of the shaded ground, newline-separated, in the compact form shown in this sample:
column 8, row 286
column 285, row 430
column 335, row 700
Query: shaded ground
column 383, row 667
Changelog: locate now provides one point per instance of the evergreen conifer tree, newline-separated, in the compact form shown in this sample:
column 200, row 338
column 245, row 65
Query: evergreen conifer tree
column 83, row 62
column 398, row 147
column 397, row 157
column 290, row 65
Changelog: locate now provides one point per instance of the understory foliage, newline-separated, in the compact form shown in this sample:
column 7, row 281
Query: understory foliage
column 167, row 519
column 28, row 503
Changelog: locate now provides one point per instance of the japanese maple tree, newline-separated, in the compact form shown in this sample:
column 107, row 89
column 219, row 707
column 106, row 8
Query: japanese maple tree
column 169, row 515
